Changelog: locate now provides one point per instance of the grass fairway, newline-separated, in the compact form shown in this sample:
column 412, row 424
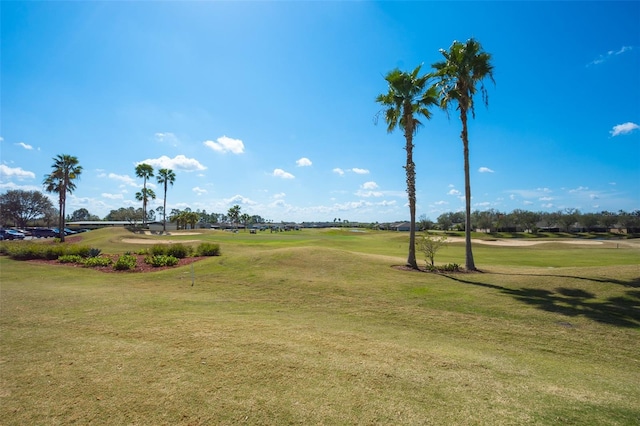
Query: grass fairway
column 316, row 327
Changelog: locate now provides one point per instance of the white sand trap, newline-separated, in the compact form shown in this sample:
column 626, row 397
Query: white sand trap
column 146, row 241
column 525, row 243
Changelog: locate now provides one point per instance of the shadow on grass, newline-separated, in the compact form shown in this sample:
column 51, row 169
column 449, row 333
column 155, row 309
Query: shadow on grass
column 621, row 311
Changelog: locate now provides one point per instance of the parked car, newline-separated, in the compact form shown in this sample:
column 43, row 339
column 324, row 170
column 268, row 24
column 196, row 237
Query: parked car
column 43, row 233
column 11, row 234
column 67, row 231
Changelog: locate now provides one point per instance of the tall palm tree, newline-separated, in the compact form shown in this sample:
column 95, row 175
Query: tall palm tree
column 144, row 171
column 465, row 66
column 165, row 177
column 407, row 99
column 66, row 170
column 145, row 195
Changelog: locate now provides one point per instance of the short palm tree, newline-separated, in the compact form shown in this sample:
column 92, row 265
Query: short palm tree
column 407, row 99
column 465, row 65
column 144, row 171
column 145, row 195
column 66, row 170
column 165, row 177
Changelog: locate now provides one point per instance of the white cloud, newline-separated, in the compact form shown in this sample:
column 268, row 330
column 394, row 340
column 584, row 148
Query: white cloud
column 112, row 196
column 279, row 196
column 578, row 189
column 303, row 162
column 545, row 199
column 361, row 193
column 360, row 171
column 602, row 58
column 485, row 170
column 441, row 203
column 179, row 162
column 25, row 146
column 225, row 144
column 15, row 172
column 199, row 190
column 453, row 192
column 282, row 174
column 127, row 180
column 338, row 171
column 369, row 185
column 239, row 199
column 623, row 129
column 167, row 137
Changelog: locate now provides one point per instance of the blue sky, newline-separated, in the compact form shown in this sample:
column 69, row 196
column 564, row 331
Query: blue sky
column 270, row 105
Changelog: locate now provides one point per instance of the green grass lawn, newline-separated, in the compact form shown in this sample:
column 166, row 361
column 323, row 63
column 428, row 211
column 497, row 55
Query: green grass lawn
column 317, row 327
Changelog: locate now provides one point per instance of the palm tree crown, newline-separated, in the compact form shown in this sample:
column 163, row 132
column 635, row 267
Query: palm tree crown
column 407, row 99
column 465, row 66
column 66, row 170
column 144, row 171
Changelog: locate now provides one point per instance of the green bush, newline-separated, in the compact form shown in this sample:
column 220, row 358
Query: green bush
column 161, row 260
column 157, row 250
column 28, row 250
column 125, row 262
column 178, row 250
column 94, row 252
column 70, row 258
column 97, row 261
column 208, row 249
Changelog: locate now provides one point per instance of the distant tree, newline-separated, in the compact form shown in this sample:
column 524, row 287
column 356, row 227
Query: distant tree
column 165, row 177
column 407, row 99
column 144, row 171
column 130, row 214
column 66, row 170
column 234, row 214
column 608, row 219
column 526, row 219
column 425, row 223
column 23, row 206
column 82, row 214
column 589, row 220
column 465, row 65
column 568, row 218
column 145, row 195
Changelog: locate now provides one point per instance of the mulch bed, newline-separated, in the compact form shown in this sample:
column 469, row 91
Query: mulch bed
column 140, row 265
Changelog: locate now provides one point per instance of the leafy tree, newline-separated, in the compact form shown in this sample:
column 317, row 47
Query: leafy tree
column 82, row 214
column 465, row 65
column 144, row 171
column 407, row 99
column 608, row 219
column 23, row 206
column 129, row 214
column 431, row 244
column 165, row 177
column 425, row 223
column 568, row 218
column 526, row 219
column 66, row 170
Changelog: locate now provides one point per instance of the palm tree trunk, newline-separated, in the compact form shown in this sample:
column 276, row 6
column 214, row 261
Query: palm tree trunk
column 61, row 218
column 164, row 210
column 469, row 263
column 411, row 192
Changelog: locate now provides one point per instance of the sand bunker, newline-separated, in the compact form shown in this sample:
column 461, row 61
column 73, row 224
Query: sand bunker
column 146, row 241
column 524, row 243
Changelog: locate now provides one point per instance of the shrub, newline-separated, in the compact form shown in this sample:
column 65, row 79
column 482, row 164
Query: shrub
column 161, row 260
column 157, row 250
column 178, row 250
column 94, row 252
column 208, row 249
column 125, row 262
column 97, row 261
column 70, row 258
